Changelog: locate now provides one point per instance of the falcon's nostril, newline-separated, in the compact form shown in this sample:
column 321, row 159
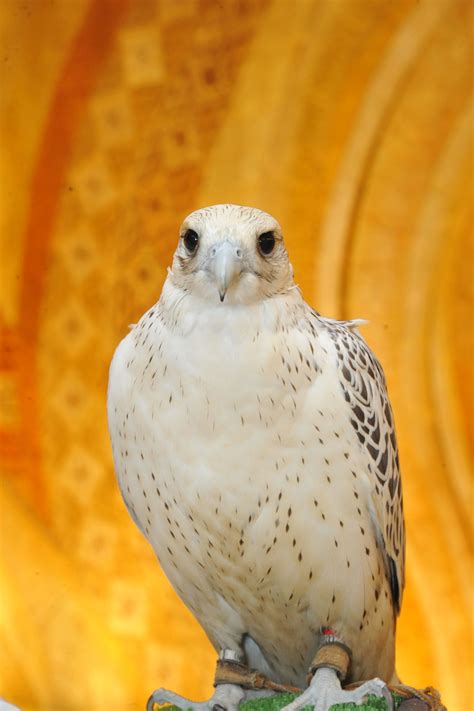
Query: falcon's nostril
column 238, row 253
column 213, row 252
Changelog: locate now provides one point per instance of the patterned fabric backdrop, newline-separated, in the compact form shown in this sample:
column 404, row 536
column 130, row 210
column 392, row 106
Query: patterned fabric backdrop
column 347, row 119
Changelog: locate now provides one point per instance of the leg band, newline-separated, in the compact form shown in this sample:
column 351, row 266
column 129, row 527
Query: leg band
column 332, row 653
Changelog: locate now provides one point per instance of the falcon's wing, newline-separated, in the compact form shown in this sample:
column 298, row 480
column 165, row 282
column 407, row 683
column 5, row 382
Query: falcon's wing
column 363, row 384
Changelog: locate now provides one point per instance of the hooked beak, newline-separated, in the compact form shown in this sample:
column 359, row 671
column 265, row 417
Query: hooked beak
column 225, row 265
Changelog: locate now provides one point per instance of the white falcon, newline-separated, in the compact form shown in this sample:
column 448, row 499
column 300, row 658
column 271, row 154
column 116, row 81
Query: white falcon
column 255, row 448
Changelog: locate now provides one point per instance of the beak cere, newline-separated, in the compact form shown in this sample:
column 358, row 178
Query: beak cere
column 225, row 265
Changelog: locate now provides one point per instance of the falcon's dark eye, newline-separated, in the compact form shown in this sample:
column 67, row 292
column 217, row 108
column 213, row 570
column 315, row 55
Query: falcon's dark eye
column 191, row 240
column 266, row 243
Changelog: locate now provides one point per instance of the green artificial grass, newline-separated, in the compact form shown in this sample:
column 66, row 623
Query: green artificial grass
column 275, row 703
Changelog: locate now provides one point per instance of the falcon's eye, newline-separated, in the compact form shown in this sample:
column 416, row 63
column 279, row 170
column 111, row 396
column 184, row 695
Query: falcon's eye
column 266, row 243
column 191, row 240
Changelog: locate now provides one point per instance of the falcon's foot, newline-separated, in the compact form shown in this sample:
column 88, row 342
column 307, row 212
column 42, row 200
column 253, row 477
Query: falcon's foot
column 226, row 697
column 325, row 690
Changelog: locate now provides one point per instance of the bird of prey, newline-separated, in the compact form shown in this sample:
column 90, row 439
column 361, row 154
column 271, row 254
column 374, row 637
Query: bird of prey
column 254, row 447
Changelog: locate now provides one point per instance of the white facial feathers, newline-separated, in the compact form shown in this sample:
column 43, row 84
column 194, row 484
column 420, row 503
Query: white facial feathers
column 231, row 252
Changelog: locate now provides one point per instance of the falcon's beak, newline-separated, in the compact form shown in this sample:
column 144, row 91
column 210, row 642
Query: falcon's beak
column 225, row 265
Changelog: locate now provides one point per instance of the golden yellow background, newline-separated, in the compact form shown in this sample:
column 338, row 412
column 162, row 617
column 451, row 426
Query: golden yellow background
column 350, row 120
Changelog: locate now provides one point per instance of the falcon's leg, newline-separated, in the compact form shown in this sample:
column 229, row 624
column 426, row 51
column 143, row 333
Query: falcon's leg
column 325, row 690
column 226, row 697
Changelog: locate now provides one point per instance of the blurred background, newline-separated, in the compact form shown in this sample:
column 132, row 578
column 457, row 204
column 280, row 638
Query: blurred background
column 350, row 121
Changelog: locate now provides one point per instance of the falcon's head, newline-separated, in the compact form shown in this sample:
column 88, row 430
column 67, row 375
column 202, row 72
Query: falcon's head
column 231, row 253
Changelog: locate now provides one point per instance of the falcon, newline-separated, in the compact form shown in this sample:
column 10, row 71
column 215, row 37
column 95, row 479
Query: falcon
column 254, row 446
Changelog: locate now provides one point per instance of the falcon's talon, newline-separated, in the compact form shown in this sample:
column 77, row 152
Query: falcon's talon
column 163, row 696
column 325, row 690
column 226, row 697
